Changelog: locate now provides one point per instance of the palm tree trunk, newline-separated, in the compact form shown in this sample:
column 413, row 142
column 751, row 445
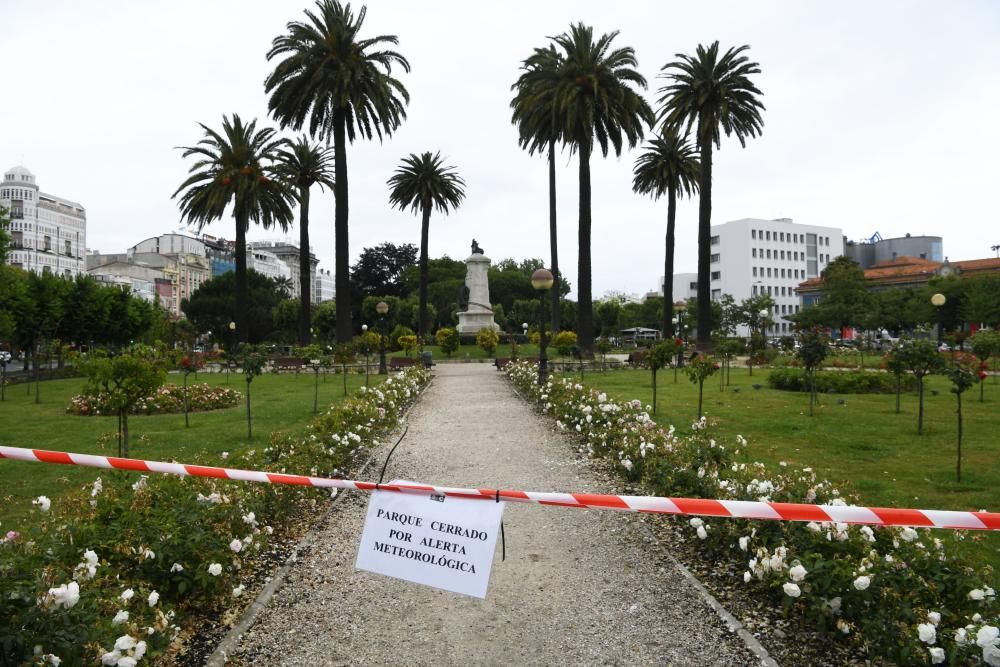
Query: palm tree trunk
column 552, row 237
column 242, row 297
column 305, row 298
column 342, row 279
column 704, row 240
column 585, row 307
column 425, row 226
column 668, row 265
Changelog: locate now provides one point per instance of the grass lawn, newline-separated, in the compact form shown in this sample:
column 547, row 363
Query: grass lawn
column 278, row 402
column 863, row 441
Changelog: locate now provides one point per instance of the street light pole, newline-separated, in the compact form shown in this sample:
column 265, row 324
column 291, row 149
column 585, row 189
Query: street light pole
column 381, row 308
column 542, row 280
column 938, row 301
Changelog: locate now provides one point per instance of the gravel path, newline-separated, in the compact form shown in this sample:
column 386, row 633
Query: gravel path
column 578, row 586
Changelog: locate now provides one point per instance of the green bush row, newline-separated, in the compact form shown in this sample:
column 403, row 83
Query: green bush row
column 837, row 382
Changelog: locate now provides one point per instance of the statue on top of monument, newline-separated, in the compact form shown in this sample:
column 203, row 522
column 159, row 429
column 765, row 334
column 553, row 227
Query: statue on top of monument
column 476, row 250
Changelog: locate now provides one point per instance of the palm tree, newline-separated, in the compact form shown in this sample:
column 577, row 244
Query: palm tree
column 595, row 99
column 340, row 83
column 422, row 182
column 303, row 165
column 233, row 168
column 710, row 92
column 669, row 166
column 533, row 115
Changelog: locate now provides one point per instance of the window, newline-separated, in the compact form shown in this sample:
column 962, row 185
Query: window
column 768, row 235
column 715, row 240
column 782, row 273
column 716, row 294
column 784, row 309
column 714, row 259
column 69, row 250
column 716, row 275
column 769, row 253
column 795, row 255
column 783, row 293
column 753, row 290
column 48, row 243
column 753, row 233
column 782, row 237
column 753, row 252
column 769, row 290
column 768, row 272
column 782, row 254
column 692, row 286
column 755, row 272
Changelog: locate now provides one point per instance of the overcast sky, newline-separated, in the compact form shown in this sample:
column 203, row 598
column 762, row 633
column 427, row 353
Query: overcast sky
column 881, row 116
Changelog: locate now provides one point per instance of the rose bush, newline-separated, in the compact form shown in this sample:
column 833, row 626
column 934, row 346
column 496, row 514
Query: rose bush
column 166, row 400
column 110, row 574
column 874, row 587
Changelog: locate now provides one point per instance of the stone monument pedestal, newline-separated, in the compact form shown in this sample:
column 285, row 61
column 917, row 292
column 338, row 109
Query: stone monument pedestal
column 480, row 313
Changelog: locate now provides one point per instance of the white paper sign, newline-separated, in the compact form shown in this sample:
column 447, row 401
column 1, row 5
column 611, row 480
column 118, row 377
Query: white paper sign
column 433, row 540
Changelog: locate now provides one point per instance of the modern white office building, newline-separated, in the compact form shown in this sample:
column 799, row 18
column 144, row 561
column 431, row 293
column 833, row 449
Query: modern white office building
column 288, row 254
column 324, row 287
column 267, row 263
column 753, row 256
column 48, row 233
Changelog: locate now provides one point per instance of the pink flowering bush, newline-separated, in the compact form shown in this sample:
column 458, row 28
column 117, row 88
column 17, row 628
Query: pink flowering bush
column 111, row 574
column 167, row 399
column 903, row 594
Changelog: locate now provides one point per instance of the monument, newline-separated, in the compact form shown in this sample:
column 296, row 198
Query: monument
column 475, row 311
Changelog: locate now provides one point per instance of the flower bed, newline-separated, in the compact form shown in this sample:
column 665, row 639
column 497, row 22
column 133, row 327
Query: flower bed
column 898, row 593
column 109, row 575
column 166, row 400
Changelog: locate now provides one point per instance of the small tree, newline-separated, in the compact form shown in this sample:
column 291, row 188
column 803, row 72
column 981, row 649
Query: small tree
column 700, row 369
column 984, row 345
column 896, row 366
column 962, row 379
column 921, row 358
column 407, row 344
column 313, row 354
column 660, row 356
column 812, row 351
column 343, row 354
column 124, row 379
column 189, row 364
column 603, row 346
column 253, row 363
column 488, row 340
column 448, row 340
column 727, row 348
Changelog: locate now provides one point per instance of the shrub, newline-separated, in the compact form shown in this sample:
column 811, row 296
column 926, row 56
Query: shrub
column 394, row 337
column 838, row 382
column 168, row 549
column 407, row 344
column 168, row 399
column 488, row 340
column 448, row 340
column 564, row 342
column 880, row 589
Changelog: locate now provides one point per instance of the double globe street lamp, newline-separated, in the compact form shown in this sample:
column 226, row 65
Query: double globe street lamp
column 938, row 301
column 542, row 280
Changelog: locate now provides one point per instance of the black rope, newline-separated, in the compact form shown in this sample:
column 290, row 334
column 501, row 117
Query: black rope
column 386, row 464
column 503, row 538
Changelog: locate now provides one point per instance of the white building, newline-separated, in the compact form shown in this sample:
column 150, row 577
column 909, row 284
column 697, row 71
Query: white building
column 288, row 253
column 324, row 287
column 751, row 257
column 48, row 233
column 268, row 264
column 685, row 286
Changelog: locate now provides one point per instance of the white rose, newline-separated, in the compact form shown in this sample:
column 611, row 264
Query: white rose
column 934, row 617
column 127, row 661
column 797, row 573
column 120, row 617
column 927, row 633
column 744, row 542
column 987, row 635
column 153, row 598
column 125, row 643
column 43, row 503
column 843, row 626
column 977, row 594
column 215, row 569
column 862, row 583
column 908, row 534
column 236, row 545
column 792, row 590
column 127, row 594
column 702, row 533
column 176, row 567
column 937, row 656
column 991, row 655
column 746, row 577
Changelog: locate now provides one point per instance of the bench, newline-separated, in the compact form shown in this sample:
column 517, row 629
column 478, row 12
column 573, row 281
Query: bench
column 398, row 363
column 279, row 364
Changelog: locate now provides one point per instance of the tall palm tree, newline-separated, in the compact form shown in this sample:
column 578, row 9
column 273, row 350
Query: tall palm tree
column 669, row 166
column 302, row 165
column 595, row 100
column 422, row 182
column 234, row 168
column 533, row 115
column 341, row 84
column 710, row 93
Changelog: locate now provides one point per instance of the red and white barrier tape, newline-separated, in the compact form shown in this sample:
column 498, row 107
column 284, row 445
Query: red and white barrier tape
column 744, row 509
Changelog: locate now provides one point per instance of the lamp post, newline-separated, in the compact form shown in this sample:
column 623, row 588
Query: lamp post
column 938, row 300
column 541, row 280
column 232, row 338
column 678, row 323
column 364, row 338
column 381, row 308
